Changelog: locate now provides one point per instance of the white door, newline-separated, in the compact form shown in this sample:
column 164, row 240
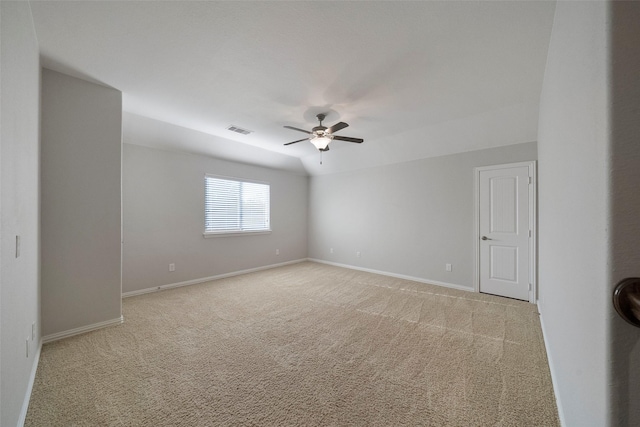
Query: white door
column 505, row 228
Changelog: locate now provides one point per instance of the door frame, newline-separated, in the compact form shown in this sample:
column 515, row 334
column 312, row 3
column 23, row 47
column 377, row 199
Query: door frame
column 533, row 223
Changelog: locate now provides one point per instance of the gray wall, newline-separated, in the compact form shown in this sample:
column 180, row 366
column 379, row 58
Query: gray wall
column 408, row 219
column 20, row 93
column 81, row 203
column 588, row 209
column 163, row 206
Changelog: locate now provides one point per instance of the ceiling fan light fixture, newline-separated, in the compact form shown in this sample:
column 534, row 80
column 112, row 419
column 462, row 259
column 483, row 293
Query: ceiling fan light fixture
column 321, row 141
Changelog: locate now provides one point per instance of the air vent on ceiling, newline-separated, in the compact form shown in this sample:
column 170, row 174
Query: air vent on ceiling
column 236, row 129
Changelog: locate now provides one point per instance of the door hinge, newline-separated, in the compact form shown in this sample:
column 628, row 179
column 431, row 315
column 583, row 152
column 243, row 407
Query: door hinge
column 529, row 233
column 530, row 180
column 530, row 287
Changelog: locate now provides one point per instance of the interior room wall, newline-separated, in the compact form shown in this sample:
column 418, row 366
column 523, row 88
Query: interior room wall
column 407, row 219
column 163, row 205
column 81, row 231
column 19, row 151
column 574, row 213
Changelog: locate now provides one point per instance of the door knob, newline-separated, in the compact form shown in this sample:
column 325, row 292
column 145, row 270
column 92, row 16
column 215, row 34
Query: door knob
column 626, row 300
column 486, row 238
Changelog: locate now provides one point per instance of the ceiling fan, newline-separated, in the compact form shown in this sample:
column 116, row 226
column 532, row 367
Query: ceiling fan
column 320, row 136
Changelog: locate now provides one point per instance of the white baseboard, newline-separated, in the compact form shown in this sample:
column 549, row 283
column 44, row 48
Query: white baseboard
column 81, row 330
column 208, row 279
column 399, row 276
column 554, row 377
column 32, row 379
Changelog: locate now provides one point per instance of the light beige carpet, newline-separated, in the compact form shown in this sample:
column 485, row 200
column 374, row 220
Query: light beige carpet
column 306, row 344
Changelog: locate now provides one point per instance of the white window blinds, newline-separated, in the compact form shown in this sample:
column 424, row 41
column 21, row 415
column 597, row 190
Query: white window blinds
column 235, row 206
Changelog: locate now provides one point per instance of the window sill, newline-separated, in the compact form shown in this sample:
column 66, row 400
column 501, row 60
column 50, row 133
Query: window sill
column 209, row 235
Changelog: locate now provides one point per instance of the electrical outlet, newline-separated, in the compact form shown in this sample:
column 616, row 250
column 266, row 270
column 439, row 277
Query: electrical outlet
column 331, row 250
column 358, row 254
column 17, row 246
column 172, row 267
column 447, row 267
column 277, row 251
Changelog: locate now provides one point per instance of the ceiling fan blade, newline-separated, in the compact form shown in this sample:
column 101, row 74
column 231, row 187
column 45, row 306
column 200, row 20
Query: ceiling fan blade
column 298, row 129
column 337, row 127
column 325, row 149
column 346, row 138
column 300, row 140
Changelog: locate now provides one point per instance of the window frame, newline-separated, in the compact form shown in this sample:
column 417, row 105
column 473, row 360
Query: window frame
column 234, row 232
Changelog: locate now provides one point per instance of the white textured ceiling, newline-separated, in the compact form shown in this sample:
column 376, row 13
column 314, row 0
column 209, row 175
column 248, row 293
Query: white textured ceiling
column 414, row 79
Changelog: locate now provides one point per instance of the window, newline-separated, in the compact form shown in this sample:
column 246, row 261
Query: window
column 233, row 206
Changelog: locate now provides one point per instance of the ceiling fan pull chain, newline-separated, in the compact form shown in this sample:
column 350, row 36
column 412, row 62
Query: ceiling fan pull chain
column 320, row 157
